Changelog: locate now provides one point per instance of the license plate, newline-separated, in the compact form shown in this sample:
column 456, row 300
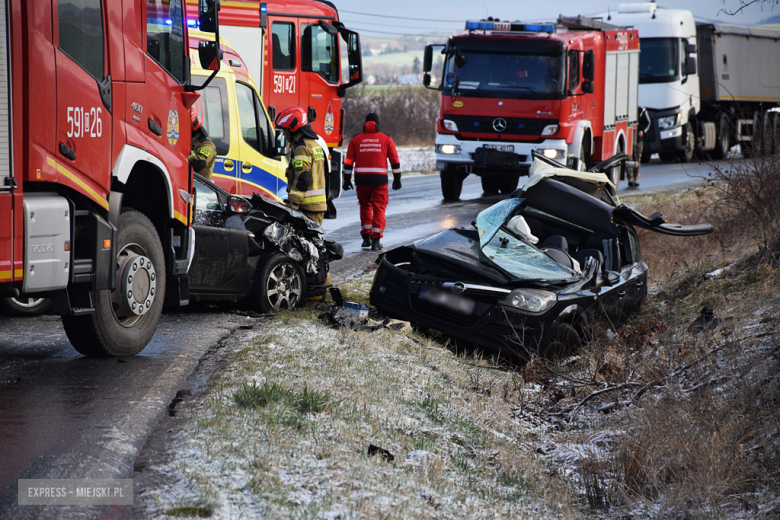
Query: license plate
column 501, row 147
column 453, row 302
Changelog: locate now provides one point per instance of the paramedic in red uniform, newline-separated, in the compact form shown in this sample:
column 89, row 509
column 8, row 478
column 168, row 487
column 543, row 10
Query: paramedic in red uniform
column 367, row 155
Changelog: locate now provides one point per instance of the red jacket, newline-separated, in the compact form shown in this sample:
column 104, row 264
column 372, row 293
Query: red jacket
column 368, row 154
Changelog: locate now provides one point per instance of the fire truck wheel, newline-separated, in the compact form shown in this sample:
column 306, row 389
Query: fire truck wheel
column 24, row 306
column 451, row 183
column 280, row 283
column 125, row 319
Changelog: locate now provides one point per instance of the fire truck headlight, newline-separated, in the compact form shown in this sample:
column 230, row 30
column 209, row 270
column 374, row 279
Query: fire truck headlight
column 550, row 129
column 552, row 153
column 448, row 149
column 449, row 125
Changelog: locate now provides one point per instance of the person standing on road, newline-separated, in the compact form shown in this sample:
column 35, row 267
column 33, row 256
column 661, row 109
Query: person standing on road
column 203, row 153
column 306, row 171
column 367, row 155
column 643, row 126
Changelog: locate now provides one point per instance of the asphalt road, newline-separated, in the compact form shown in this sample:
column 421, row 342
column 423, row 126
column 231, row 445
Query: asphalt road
column 66, row 416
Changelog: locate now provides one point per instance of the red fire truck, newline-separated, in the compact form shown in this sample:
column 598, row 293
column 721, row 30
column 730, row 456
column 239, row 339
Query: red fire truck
column 95, row 187
column 568, row 90
column 292, row 51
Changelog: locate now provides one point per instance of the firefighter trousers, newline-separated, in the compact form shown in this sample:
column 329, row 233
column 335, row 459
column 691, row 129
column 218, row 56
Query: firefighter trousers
column 373, row 201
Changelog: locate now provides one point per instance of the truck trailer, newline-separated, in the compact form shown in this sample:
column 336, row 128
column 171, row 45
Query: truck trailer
column 567, row 90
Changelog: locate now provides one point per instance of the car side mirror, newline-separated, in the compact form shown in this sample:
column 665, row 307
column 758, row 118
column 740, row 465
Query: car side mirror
column 238, row 205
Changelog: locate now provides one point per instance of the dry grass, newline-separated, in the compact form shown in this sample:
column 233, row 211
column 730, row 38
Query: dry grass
column 664, row 420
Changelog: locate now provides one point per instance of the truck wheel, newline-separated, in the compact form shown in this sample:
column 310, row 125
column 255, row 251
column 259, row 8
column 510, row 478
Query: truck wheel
column 776, row 133
column 451, row 183
column 756, row 144
column 770, row 138
column 723, row 144
column 690, row 144
column 490, row 184
column 25, row 306
column 125, row 319
column 280, row 283
column 508, row 184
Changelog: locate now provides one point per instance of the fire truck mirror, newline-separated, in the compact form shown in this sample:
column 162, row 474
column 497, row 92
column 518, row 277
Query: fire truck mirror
column 460, row 59
column 207, row 15
column 587, row 87
column 209, row 54
column 588, row 67
column 328, row 28
column 426, row 80
column 428, row 60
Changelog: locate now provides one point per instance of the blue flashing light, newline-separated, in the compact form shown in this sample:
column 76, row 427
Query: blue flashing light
column 508, row 26
column 263, row 8
column 169, row 22
column 192, row 23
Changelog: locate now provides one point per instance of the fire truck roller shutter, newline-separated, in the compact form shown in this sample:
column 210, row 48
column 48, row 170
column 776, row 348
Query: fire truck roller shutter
column 248, row 43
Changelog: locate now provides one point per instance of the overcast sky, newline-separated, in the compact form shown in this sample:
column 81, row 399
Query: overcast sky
column 437, row 16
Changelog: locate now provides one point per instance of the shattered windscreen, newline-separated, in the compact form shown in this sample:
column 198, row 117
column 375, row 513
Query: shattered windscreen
column 519, row 259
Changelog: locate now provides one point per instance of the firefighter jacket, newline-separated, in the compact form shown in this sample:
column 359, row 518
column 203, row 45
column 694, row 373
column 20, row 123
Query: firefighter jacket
column 306, row 176
column 203, row 153
column 368, row 154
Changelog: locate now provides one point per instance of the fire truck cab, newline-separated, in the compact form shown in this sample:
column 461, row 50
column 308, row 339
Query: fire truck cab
column 95, row 187
column 567, row 90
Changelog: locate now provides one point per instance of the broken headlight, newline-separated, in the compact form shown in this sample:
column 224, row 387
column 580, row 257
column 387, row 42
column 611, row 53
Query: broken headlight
column 531, row 300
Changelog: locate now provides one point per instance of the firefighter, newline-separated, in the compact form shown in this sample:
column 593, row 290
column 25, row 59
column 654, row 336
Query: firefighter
column 203, row 153
column 367, row 155
column 643, row 126
column 306, row 171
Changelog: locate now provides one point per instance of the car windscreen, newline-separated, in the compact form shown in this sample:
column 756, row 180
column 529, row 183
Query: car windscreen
column 524, row 261
column 658, row 60
column 507, row 73
column 490, row 220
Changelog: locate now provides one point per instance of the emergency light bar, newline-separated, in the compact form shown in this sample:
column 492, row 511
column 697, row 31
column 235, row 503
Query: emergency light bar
column 511, row 27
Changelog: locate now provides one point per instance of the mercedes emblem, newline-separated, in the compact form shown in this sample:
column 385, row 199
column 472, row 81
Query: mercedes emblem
column 499, row 124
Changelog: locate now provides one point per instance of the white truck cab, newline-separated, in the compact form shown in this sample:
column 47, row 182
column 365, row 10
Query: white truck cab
column 668, row 78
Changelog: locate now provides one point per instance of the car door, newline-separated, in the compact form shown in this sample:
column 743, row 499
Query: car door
column 259, row 171
column 220, row 266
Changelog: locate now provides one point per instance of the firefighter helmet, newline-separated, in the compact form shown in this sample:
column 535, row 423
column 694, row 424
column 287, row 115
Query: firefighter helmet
column 194, row 118
column 293, row 118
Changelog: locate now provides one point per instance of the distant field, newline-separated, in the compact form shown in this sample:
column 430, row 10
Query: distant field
column 396, row 59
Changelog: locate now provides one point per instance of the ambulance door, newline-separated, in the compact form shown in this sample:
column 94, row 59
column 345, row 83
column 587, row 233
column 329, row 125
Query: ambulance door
column 214, row 113
column 259, row 172
column 83, row 147
column 320, row 73
column 284, row 76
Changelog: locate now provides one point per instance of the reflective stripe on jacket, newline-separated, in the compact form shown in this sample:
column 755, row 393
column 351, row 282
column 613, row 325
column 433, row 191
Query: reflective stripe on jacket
column 306, row 176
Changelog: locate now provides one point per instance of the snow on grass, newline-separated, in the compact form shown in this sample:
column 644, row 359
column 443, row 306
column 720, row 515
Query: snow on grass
column 446, row 419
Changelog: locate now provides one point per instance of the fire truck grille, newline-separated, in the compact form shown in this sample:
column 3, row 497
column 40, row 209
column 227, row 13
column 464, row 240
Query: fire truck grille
column 487, row 125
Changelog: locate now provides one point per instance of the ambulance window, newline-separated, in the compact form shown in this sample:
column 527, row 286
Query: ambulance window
column 254, row 124
column 283, row 42
column 80, row 25
column 213, row 111
column 165, row 35
column 320, row 53
column 574, row 70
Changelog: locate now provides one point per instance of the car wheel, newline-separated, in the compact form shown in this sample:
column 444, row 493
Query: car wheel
column 280, row 283
column 451, row 183
column 25, row 306
column 508, row 184
column 125, row 319
column 564, row 342
column 490, row 184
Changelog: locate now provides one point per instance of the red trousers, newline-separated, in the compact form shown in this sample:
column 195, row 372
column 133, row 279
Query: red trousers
column 373, row 201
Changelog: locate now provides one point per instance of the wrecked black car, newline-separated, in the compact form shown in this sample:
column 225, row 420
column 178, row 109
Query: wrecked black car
column 255, row 250
column 536, row 269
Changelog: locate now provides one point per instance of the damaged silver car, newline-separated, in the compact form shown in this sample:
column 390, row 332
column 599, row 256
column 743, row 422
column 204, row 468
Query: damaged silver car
column 256, row 250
